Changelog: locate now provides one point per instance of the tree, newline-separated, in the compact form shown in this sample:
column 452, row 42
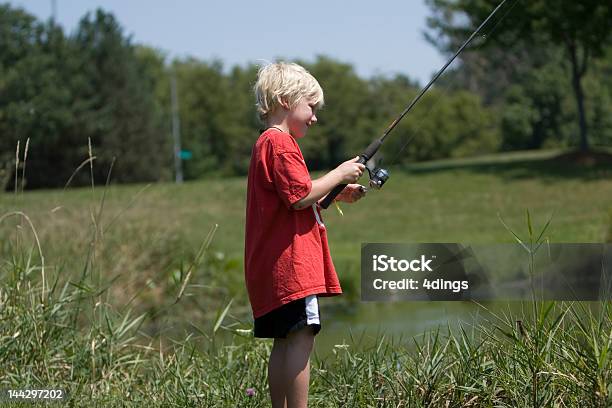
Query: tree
column 205, row 110
column 443, row 125
column 582, row 28
column 36, row 96
column 117, row 106
column 243, row 127
column 20, row 33
column 341, row 130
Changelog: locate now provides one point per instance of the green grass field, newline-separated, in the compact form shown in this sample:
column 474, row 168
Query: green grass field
column 130, row 249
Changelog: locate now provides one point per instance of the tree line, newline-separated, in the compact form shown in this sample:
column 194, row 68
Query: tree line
column 95, row 86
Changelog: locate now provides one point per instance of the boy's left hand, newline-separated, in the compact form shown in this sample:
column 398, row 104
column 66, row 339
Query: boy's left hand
column 352, row 193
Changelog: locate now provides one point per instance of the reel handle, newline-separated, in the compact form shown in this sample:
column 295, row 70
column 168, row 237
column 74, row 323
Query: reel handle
column 338, row 189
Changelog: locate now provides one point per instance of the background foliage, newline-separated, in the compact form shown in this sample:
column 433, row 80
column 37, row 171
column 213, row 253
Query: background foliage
column 515, row 91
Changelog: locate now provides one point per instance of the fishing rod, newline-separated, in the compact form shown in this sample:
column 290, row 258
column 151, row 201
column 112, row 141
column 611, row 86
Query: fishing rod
column 379, row 176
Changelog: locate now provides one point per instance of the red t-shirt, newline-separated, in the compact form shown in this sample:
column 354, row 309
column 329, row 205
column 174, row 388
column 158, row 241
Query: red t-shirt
column 286, row 251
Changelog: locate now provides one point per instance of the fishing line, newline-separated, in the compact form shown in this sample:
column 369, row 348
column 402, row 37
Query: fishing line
column 381, row 175
column 445, row 89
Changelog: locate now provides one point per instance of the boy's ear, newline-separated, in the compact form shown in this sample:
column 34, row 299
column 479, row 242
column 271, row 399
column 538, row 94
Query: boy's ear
column 282, row 102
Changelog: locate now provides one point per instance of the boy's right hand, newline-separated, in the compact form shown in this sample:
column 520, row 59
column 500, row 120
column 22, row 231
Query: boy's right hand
column 350, row 171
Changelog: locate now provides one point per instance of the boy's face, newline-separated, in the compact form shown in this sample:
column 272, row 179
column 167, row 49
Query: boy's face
column 301, row 117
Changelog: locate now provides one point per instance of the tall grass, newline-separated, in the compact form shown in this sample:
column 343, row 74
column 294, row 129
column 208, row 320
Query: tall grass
column 561, row 357
column 552, row 354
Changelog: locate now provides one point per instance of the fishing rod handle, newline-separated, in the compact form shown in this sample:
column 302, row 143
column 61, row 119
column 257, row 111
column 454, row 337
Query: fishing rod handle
column 368, row 153
column 338, row 189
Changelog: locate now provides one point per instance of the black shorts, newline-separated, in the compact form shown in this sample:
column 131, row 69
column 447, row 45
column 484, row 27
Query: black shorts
column 289, row 318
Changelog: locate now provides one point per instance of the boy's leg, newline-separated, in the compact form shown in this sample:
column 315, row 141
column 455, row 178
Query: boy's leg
column 289, row 369
column 297, row 365
column 276, row 374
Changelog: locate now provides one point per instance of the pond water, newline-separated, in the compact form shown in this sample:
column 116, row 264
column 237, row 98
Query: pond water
column 402, row 321
column 362, row 325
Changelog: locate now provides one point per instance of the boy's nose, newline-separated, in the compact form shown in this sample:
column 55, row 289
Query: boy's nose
column 313, row 119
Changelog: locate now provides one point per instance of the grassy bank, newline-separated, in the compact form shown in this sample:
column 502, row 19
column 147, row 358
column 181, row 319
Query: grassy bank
column 553, row 354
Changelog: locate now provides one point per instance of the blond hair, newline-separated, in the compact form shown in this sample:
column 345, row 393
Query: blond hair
column 288, row 82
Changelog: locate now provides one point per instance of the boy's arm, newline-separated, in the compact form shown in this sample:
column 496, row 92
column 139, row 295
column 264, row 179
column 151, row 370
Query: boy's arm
column 346, row 173
column 320, row 188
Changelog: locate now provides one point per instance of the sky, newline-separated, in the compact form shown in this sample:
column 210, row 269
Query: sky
column 375, row 36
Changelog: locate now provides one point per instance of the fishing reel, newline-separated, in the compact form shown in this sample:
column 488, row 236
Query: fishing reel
column 378, row 175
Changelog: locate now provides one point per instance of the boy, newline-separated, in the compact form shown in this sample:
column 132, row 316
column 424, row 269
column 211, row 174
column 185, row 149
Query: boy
column 287, row 260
